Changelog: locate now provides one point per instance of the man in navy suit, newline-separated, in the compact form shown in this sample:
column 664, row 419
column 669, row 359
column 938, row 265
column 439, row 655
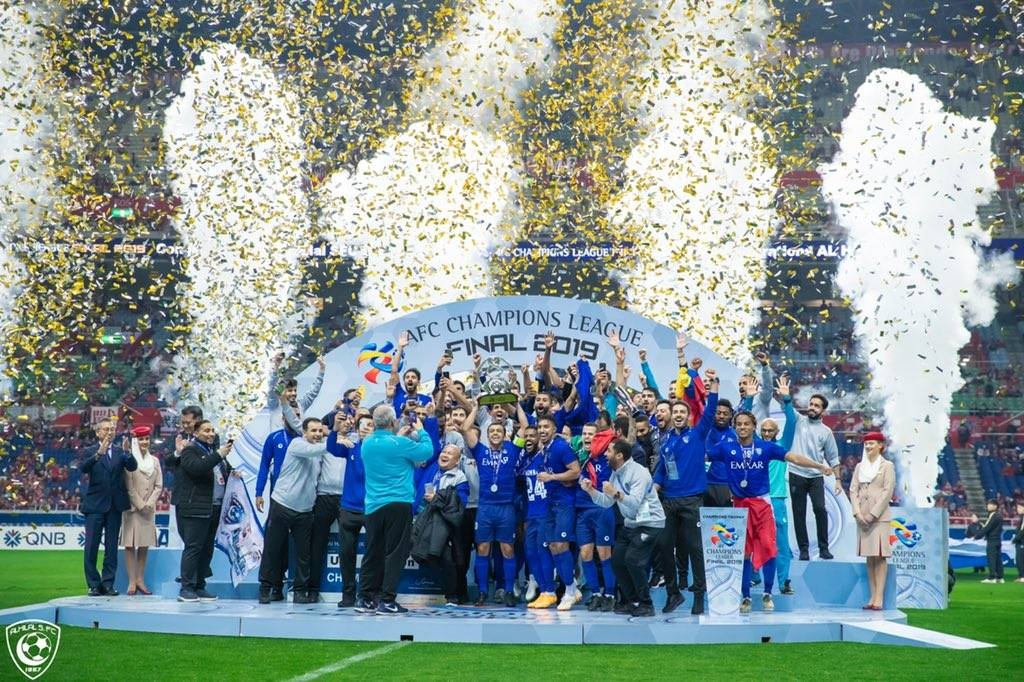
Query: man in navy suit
column 105, row 498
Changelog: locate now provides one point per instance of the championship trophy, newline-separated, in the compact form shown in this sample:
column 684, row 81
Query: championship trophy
column 495, row 377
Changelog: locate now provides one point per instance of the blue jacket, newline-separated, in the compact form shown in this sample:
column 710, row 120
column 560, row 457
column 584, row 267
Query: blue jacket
column 686, row 451
column 717, row 470
column 433, row 428
column 106, row 489
column 353, row 489
column 274, row 448
column 585, row 410
column 390, row 461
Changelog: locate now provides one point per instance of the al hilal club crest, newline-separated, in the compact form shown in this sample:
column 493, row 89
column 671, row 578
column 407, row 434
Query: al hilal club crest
column 33, row 646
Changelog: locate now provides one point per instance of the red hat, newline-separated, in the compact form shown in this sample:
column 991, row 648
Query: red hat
column 874, row 435
column 142, row 431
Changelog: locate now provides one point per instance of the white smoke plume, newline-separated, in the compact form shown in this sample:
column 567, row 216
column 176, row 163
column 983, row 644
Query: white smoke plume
column 26, row 126
column 424, row 214
column 698, row 193
column 237, row 156
column 906, row 186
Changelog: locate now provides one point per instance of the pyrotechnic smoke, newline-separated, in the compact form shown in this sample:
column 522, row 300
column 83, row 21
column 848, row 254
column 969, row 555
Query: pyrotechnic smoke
column 234, row 147
column 906, row 186
column 698, row 192
column 26, row 185
column 425, row 213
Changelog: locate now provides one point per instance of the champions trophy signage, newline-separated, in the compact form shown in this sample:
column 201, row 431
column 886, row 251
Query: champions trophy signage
column 919, row 539
column 724, row 538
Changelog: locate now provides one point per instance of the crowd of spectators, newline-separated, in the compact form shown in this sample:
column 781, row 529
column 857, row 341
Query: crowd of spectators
column 989, row 368
column 39, row 467
column 1001, row 465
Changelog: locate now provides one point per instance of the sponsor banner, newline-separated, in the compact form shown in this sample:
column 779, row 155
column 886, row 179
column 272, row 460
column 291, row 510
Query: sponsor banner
column 53, row 537
column 42, row 537
column 141, row 251
column 970, row 553
column 415, row 579
column 920, row 556
column 724, row 537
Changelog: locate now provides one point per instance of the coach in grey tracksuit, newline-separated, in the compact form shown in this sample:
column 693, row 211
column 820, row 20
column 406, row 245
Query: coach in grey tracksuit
column 291, row 512
column 632, row 488
column 813, row 439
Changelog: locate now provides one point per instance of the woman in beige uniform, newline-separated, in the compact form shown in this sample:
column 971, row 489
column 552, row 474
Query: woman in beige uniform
column 138, row 524
column 871, row 488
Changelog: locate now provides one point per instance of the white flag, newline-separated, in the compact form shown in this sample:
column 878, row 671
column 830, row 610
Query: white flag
column 239, row 534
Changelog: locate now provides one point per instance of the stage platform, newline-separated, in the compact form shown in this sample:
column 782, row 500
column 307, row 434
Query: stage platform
column 491, row 625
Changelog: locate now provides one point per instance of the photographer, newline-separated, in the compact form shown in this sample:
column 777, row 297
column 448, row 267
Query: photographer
column 390, row 456
column 198, row 515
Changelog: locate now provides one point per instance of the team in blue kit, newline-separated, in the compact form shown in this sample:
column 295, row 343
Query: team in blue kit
column 497, row 461
column 498, row 491
column 746, row 464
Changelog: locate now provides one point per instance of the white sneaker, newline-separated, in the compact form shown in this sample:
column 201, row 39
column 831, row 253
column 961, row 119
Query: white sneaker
column 1020, row 580
column 568, row 601
column 1000, row 581
column 766, row 603
column 532, row 590
column 745, row 605
column 989, row 581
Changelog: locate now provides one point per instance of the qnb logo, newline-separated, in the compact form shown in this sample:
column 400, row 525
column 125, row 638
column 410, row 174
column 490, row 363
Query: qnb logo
column 905, row 532
column 726, row 535
column 380, row 359
column 12, row 538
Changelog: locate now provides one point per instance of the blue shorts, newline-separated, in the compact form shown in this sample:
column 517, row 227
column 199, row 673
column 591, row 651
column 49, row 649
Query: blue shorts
column 561, row 522
column 595, row 526
column 536, row 535
column 520, row 505
column 496, row 523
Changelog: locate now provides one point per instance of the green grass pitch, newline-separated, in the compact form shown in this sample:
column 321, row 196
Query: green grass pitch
column 991, row 613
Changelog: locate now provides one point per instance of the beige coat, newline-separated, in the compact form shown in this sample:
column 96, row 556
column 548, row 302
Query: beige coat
column 138, row 524
column 870, row 502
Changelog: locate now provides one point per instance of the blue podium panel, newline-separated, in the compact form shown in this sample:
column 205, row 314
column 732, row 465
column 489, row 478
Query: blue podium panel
column 816, row 583
column 825, row 607
column 148, row 614
column 496, row 625
column 45, row 612
column 672, row 631
column 426, row 624
column 834, row 583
